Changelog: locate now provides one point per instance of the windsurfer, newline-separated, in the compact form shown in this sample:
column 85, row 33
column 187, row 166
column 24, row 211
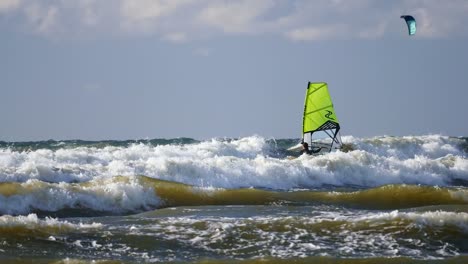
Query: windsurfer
column 305, row 149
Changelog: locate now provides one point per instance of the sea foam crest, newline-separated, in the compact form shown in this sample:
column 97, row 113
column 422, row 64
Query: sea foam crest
column 430, row 218
column 32, row 222
column 250, row 161
column 109, row 195
column 431, row 146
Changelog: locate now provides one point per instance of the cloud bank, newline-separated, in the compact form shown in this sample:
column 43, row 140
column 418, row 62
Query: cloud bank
column 180, row 21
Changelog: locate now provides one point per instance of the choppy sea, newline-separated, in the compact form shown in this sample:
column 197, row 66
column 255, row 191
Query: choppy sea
column 390, row 200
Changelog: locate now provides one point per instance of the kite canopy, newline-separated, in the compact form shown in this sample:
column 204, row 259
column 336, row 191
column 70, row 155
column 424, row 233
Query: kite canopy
column 411, row 23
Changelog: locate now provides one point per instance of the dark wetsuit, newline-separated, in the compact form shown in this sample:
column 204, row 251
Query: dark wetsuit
column 309, row 151
column 316, row 150
column 306, row 149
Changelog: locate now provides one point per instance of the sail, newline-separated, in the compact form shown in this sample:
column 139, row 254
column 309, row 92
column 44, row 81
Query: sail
column 319, row 115
column 410, row 23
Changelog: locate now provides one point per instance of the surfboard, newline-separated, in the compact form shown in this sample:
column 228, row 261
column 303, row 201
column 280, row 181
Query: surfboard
column 297, row 147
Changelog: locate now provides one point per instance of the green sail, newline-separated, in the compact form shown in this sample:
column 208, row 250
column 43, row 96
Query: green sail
column 318, row 109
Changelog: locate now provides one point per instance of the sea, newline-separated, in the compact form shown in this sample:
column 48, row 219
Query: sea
column 234, row 200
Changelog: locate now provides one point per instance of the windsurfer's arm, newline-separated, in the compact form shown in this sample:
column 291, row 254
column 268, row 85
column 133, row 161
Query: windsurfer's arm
column 316, row 150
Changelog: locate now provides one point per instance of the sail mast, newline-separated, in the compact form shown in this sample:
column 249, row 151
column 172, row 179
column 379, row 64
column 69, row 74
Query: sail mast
column 319, row 115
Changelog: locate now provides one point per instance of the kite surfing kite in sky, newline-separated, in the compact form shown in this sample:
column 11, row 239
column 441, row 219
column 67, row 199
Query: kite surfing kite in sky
column 411, row 23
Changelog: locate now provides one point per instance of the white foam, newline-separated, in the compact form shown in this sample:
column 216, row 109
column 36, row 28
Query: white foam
column 432, row 146
column 32, row 222
column 430, row 218
column 287, row 236
column 101, row 195
column 247, row 162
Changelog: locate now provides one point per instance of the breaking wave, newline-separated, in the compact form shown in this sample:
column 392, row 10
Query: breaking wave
column 245, row 162
column 123, row 195
column 31, row 225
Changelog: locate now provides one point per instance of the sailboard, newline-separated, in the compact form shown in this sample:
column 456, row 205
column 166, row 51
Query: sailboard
column 320, row 125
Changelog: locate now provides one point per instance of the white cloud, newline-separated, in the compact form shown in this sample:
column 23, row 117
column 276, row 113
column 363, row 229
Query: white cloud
column 333, row 19
column 144, row 15
column 374, row 32
column 346, row 6
column 298, row 20
column 149, row 9
column 42, row 18
column 7, row 5
column 234, row 16
column 176, row 37
column 89, row 13
column 316, row 33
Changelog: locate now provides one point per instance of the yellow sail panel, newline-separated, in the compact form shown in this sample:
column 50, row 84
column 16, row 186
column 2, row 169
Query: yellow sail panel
column 318, row 109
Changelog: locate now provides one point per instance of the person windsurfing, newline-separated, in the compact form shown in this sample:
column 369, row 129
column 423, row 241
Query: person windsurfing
column 305, row 148
column 308, row 151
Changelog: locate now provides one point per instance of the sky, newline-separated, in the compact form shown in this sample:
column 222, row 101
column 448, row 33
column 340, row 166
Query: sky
column 136, row 69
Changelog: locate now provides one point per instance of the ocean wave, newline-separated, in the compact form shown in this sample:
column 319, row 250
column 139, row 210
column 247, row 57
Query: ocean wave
column 316, row 231
column 14, row 226
column 250, row 162
column 115, row 195
column 422, row 219
column 347, row 234
column 124, row 195
column 407, row 147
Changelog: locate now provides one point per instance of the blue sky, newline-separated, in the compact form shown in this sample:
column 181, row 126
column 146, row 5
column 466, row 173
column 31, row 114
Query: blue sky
column 121, row 69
